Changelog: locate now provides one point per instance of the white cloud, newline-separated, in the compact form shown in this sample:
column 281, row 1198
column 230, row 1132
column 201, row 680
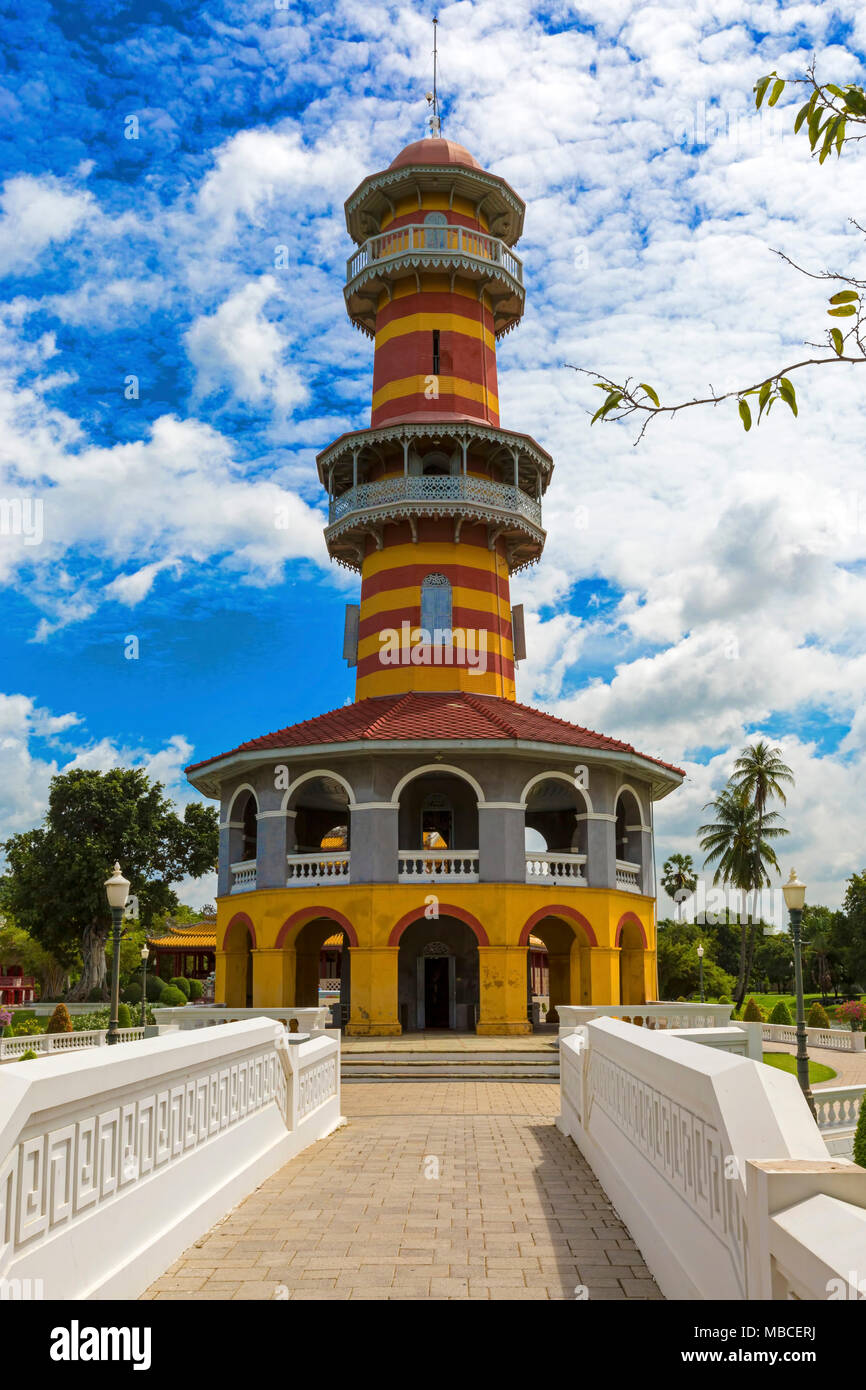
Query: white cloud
column 34, row 212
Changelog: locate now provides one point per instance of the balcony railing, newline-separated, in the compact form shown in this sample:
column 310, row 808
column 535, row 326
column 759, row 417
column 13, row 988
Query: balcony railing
column 309, row 868
column 417, row 239
column 478, row 492
column 628, row 876
column 244, row 876
column 556, row 868
column 437, row 866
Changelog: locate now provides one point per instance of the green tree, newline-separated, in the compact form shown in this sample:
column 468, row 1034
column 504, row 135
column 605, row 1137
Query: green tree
column 849, row 932
column 55, row 876
column 761, row 775
column 679, row 972
column 19, row 948
column 731, row 842
column 679, row 879
column 823, row 120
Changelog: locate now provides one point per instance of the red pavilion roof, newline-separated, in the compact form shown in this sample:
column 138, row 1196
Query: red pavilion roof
column 438, row 716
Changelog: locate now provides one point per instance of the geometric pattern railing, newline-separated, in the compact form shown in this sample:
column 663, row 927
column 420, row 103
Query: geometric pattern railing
column 445, row 243
column 460, row 488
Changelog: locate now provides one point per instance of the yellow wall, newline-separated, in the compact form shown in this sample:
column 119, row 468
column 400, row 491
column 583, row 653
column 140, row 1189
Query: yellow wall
column 586, row 974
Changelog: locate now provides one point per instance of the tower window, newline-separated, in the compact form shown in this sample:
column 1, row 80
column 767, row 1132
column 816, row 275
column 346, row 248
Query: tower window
column 436, row 604
column 434, row 230
column 435, row 351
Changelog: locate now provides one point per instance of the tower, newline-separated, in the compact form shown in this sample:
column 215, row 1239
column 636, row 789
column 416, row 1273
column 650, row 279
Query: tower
column 435, row 505
column 453, row 853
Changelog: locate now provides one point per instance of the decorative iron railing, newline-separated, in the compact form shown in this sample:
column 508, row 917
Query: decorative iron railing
column 416, row 239
column 482, row 492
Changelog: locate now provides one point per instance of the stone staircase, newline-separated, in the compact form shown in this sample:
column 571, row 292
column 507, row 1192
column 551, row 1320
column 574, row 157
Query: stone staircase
column 463, row 1059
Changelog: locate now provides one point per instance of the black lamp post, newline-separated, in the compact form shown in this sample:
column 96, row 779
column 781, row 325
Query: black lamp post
column 795, row 897
column 701, row 969
column 117, row 891
column 144, row 955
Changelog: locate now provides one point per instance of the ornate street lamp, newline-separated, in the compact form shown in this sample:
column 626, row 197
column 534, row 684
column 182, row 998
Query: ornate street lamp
column 117, row 892
column 144, row 955
column 701, row 969
column 795, row 897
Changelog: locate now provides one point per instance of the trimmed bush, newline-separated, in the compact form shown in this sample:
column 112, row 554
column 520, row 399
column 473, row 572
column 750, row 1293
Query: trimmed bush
column 817, row 1016
column 172, row 997
column 96, row 996
column 60, row 1022
column 28, row 1056
column 753, row 1013
column 124, row 1018
column 860, row 1138
column 155, row 986
column 180, row 982
column 781, row 1013
column 196, row 989
column 132, row 994
column 725, row 999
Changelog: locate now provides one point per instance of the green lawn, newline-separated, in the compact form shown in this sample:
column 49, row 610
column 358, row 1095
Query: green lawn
column 785, row 1062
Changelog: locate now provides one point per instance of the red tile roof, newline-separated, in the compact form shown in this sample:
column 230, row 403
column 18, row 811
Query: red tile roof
column 435, row 151
column 440, row 715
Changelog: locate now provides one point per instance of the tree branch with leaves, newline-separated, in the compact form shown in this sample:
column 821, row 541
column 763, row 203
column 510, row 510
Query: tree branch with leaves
column 824, row 120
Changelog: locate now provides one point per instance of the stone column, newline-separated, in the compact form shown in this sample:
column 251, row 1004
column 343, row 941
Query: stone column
column 501, row 854
column 272, row 977
column 374, row 992
column 271, row 855
column 502, row 991
column 374, row 844
column 604, row 971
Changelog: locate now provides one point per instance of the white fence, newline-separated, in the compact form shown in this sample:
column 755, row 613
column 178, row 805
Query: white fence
column 46, row 1043
column 437, row 866
column 836, row 1039
column 658, row 1015
column 548, row 868
column 312, row 1020
column 304, row 868
column 714, row 1163
column 114, row 1161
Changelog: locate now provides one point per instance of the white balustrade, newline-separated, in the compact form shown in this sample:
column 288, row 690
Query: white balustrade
column 838, row 1107
column 419, row 242
column 628, row 876
column 306, row 868
column 659, row 1015
column 714, row 1163
column 437, row 866
column 44, row 1044
column 833, row 1039
column 186, row 1016
column 113, row 1164
column 244, row 876
column 556, row 868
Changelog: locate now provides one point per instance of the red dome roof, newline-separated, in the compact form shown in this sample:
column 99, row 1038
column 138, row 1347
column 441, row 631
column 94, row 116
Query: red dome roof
column 435, row 151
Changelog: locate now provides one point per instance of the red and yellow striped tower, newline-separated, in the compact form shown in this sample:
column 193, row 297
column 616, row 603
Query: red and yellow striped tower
column 434, row 504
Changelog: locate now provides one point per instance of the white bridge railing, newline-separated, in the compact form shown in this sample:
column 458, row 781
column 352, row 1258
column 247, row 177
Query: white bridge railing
column 314, row 867
column 659, row 1015
column 45, row 1044
column 113, row 1162
column 838, row 1107
column 556, row 868
column 437, row 866
column 715, row 1164
column 301, row 1020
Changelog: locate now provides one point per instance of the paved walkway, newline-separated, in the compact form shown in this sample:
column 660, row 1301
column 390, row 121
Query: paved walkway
column 445, row 1041
column 449, row 1190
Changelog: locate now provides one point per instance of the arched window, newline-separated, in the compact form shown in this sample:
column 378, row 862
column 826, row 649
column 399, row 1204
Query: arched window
column 435, row 604
column 434, row 230
column 250, row 841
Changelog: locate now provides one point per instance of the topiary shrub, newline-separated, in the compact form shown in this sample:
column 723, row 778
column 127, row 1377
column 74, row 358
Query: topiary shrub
column 172, row 997
column 124, row 1018
column 725, row 999
column 28, row 1056
column 60, row 1022
column 132, row 994
column 753, row 1013
column 860, row 1138
column 155, row 986
column 781, row 1013
column 182, row 983
column 817, row 1016
column 96, row 996
column 196, row 989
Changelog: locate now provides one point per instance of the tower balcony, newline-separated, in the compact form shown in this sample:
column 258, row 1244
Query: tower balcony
column 366, row 508
column 402, row 251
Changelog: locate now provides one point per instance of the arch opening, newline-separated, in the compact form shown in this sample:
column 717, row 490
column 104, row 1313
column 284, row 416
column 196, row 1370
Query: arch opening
column 555, row 832
column 318, row 834
column 438, row 976
column 566, row 944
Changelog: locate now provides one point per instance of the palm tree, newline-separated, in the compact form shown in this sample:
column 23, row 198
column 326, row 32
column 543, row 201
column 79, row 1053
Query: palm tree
column 759, row 772
column 742, row 858
column 679, row 879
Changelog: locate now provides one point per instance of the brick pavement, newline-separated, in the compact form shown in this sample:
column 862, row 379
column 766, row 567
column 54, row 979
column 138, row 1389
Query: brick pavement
column 514, row 1213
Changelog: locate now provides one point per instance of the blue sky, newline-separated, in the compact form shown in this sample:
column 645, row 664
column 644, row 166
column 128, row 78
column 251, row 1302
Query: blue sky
column 712, row 587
